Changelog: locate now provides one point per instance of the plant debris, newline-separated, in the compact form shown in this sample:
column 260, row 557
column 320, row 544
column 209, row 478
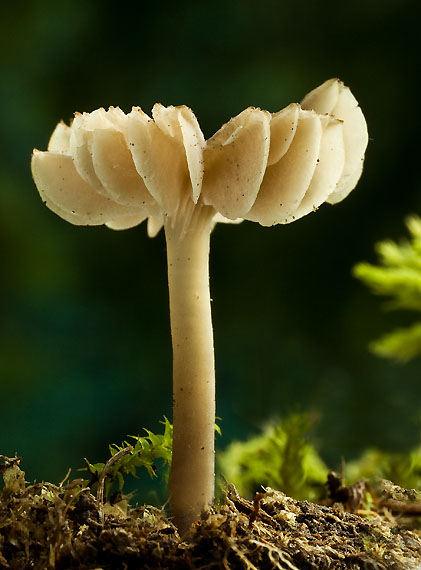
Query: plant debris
column 45, row 526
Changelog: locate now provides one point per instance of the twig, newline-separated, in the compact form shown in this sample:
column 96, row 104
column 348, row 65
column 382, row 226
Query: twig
column 409, row 509
column 256, row 507
column 65, row 478
column 101, row 481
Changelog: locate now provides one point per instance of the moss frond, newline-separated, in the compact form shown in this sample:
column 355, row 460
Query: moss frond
column 398, row 277
column 144, row 452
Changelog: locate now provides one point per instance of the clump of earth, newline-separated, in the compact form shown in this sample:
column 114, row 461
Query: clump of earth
column 63, row 527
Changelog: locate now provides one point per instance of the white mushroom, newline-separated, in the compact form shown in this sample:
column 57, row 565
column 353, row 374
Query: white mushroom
column 117, row 169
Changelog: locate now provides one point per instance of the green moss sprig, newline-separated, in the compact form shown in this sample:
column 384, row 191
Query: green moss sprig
column 143, row 451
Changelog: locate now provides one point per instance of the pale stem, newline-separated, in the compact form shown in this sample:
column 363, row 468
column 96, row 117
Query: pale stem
column 192, row 471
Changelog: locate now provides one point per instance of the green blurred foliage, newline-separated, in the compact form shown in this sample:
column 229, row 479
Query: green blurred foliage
column 85, row 352
column 403, row 469
column 397, row 276
column 280, row 457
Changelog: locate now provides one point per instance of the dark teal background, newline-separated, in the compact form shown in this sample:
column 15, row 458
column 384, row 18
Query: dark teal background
column 85, row 353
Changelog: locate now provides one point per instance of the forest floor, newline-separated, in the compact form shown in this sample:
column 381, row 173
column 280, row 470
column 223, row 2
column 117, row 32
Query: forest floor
column 63, row 527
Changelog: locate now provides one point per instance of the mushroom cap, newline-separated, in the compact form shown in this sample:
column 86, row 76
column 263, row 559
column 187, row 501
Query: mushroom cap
column 119, row 169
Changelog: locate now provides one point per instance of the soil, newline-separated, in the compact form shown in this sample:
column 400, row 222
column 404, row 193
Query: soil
column 63, row 527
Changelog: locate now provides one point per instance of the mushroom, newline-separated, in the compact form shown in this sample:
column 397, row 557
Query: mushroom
column 119, row 169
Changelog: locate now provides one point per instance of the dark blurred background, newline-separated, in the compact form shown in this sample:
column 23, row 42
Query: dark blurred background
column 85, row 353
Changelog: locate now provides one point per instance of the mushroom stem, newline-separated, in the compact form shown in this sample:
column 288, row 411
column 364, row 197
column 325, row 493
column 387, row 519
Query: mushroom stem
column 191, row 483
